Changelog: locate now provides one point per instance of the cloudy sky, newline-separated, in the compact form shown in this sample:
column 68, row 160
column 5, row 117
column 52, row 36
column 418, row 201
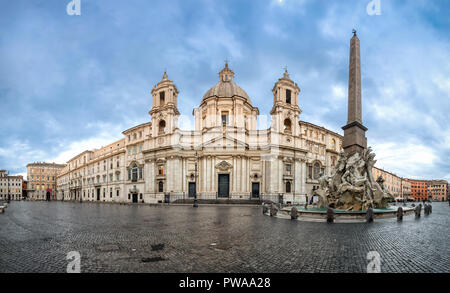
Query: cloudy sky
column 71, row 83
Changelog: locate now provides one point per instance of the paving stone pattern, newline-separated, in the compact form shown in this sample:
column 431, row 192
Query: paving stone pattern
column 36, row 237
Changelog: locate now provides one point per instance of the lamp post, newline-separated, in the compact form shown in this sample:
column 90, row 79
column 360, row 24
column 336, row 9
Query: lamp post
column 195, row 193
column 9, row 196
column 81, row 189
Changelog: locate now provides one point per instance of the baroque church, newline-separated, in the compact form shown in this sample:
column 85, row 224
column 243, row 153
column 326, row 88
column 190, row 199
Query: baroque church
column 224, row 157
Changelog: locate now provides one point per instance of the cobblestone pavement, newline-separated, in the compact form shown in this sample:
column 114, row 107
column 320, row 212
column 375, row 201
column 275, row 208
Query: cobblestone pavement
column 36, row 237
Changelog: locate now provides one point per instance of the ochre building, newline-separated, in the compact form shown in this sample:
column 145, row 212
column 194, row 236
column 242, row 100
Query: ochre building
column 41, row 180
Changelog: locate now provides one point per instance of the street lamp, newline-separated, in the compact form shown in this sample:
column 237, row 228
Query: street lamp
column 9, row 195
column 195, row 193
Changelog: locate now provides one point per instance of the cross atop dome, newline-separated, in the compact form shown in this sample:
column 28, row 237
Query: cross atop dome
column 226, row 74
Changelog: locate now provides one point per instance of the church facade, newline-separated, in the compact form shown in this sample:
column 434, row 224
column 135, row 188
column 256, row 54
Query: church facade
column 224, row 157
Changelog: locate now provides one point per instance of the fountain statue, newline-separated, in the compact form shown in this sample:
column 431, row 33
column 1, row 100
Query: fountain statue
column 352, row 186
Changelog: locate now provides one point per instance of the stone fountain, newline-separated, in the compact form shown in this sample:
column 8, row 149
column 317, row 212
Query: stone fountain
column 352, row 186
column 350, row 192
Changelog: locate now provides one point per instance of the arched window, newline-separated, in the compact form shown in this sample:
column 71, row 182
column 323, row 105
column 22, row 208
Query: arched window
column 288, row 187
column 134, row 173
column 162, row 126
column 160, row 186
column 333, row 144
column 287, row 125
column 316, row 170
column 333, row 161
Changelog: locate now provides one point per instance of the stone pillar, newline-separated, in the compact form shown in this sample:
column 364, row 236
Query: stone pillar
column 303, row 163
column 204, row 171
column 354, row 132
column 298, row 176
column 213, row 174
column 234, row 174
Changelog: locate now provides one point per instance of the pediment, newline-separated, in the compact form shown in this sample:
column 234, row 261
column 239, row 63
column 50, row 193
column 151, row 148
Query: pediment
column 221, row 142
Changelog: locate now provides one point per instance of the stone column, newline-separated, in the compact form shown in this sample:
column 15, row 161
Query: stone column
column 204, row 171
column 298, row 176
column 303, row 164
column 234, row 174
column 213, row 174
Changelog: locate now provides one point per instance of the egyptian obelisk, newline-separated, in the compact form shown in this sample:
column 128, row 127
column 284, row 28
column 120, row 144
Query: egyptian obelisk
column 354, row 132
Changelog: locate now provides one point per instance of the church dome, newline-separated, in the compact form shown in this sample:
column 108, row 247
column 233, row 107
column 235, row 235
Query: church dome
column 226, row 87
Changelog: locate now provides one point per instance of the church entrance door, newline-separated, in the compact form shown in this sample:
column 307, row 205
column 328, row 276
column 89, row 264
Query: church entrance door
column 224, row 185
column 192, row 189
column 255, row 189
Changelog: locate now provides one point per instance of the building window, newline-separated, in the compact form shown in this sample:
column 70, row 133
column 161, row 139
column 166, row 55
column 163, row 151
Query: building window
column 160, row 186
column 316, row 170
column 288, row 187
column 117, row 192
column 160, row 170
column 162, row 98
column 287, row 125
column 288, row 168
column 140, row 173
column 333, row 144
column 134, row 173
column 224, row 118
column 162, row 126
column 288, row 96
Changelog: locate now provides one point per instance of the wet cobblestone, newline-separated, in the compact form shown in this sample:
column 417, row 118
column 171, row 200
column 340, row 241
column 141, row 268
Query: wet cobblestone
column 36, row 237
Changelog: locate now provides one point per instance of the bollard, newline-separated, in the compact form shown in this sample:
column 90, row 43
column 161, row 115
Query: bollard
column 400, row 214
column 369, row 215
column 294, row 213
column 273, row 211
column 330, row 215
